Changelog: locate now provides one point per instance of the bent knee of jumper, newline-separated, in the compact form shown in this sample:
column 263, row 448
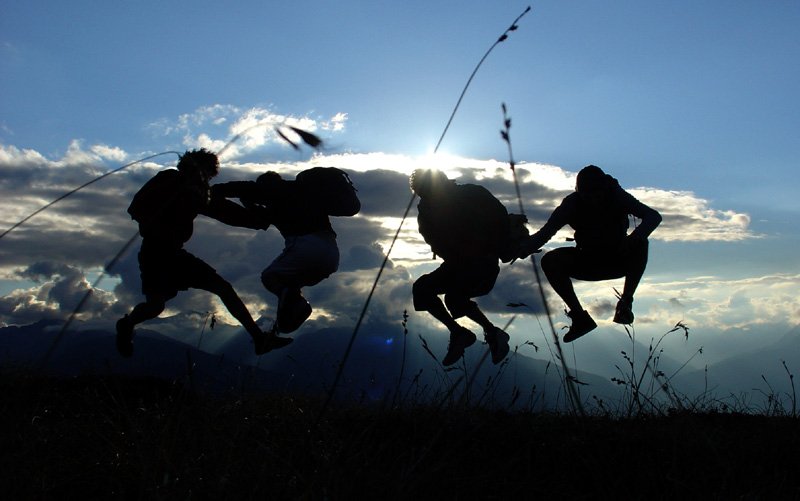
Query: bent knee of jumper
column 423, row 296
column 271, row 281
column 459, row 306
column 557, row 260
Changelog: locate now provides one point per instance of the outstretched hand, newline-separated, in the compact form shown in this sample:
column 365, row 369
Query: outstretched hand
column 259, row 211
column 218, row 191
column 526, row 250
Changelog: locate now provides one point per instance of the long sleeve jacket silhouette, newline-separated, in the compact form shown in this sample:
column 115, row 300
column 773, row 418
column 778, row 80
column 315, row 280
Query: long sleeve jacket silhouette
column 599, row 228
column 167, row 205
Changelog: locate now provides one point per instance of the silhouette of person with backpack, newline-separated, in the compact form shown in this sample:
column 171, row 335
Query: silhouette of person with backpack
column 467, row 227
column 300, row 210
column 165, row 208
column 598, row 212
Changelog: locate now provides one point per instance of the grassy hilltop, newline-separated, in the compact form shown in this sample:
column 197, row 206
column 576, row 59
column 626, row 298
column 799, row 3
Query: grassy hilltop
column 110, row 437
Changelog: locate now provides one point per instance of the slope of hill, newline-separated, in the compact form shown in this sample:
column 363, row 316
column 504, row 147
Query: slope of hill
column 93, row 352
column 378, row 367
column 764, row 372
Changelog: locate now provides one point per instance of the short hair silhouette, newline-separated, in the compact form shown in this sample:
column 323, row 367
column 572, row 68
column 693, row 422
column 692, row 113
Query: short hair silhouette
column 426, row 181
column 201, row 159
column 591, row 178
column 269, row 176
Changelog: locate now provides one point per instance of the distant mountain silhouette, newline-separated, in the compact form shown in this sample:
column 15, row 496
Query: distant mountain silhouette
column 372, row 372
column 309, row 364
column 601, row 352
column 743, row 373
column 84, row 352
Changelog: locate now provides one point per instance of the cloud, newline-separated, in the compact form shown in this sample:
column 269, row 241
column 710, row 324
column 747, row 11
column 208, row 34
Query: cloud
column 686, row 217
column 216, row 114
column 80, row 235
column 725, row 303
column 515, row 285
column 362, row 257
column 240, row 132
column 602, row 308
column 691, row 219
column 109, row 153
column 62, row 290
column 336, row 123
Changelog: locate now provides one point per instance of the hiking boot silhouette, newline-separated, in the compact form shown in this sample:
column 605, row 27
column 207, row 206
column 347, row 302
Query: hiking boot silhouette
column 624, row 311
column 460, row 339
column 268, row 341
column 125, row 334
column 293, row 310
column 497, row 340
column 582, row 323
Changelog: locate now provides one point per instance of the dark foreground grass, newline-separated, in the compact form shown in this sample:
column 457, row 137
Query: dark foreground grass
column 116, row 438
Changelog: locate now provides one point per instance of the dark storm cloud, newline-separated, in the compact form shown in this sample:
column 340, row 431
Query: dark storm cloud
column 538, row 200
column 676, row 303
column 126, row 270
column 383, row 193
column 345, row 293
column 516, row 285
column 76, row 246
column 361, row 231
column 602, row 308
column 57, row 247
column 362, row 257
column 86, row 229
column 62, row 290
column 27, row 170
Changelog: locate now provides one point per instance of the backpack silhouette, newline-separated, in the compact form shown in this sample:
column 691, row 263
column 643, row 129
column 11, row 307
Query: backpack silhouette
column 156, row 194
column 329, row 189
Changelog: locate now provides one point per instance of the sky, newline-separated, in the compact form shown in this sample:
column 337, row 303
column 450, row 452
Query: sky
column 692, row 106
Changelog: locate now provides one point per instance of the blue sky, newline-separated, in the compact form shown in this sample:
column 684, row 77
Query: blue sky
column 697, row 89
column 691, row 105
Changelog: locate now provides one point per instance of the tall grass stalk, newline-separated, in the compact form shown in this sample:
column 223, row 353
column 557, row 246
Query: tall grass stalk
column 397, row 391
column 511, row 28
column 775, row 403
column 644, row 382
column 569, row 381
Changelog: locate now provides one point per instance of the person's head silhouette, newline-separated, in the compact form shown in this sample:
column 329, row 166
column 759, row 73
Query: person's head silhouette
column 268, row 177
column 427, row 182
column 592, row 184
column 200, row 163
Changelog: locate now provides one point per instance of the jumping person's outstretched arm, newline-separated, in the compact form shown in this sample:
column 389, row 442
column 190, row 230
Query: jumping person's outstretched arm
column 557, row 220
column 233, row 214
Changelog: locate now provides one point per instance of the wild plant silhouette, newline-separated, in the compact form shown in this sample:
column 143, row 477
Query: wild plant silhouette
column 101, row 437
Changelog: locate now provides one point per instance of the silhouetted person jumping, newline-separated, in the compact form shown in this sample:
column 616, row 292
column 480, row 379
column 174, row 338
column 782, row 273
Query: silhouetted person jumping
column 598, row 212
column 466, row 226
column 299, row 209
column 165, row 208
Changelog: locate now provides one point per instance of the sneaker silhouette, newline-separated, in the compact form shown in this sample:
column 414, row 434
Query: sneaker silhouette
column 582, row 323
column 497, row 340
column 268, row 341
column 125, row 334
column 460, row 339
column 624, row 311
column 293, row 310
